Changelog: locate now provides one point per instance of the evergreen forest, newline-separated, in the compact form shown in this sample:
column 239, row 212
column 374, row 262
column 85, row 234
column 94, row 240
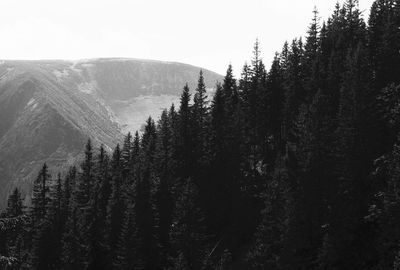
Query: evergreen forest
column 292, row 166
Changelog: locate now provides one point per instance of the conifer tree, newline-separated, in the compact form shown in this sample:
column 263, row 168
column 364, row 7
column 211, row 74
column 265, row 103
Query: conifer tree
column 163, row 194
column 82, row 197
column 184, row 147
column 69, row 237
column 200, row 123
column 54, row 225
column 200, row 109
column 276, row 104
column 116, row 202
column 144, row 209
column 40, row 198
column 126, row 156
column 98, row 231
column 40, row 202
column 220, row 182
column 311, row 58
column 85, row 178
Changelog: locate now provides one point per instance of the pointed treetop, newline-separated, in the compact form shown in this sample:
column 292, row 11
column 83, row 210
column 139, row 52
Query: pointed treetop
column 88, row 146
column 44, row 167
column 149, row 122
column 229, row 84
column 218, row 96
column 172, row 108
column 185, row 96
column 351, row 4
column 127, row 142
column 285, row 50
column 149, row 130
column 315, row 21
column 117, row 149
column 164, row 117
column 136, row 144
column 245, row 71
column 116, row 155
column 256, row 54
column 200, row 84
column 186, row 88
column 102, row 152
column 200, row 98
column 229, row 73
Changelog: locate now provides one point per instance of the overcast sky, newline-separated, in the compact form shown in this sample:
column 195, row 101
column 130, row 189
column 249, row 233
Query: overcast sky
column 206, row 33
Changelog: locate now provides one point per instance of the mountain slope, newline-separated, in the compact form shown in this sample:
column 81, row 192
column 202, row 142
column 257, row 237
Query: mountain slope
column 48, row 109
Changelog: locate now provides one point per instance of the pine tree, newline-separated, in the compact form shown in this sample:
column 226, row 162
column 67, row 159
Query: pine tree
column 310, row 62
column 275, row 105
column 219, row 182
column 54, row 226
column 69, row 187
column 148, row 143
column 253, row 92
column 38, row 211
column 200, row 109
column 40, row 198
column 163, row 195
column 126, row 156
column 144, row 208
column 199, row 124
column 70, row 243
column 86, row 177
column 116, row 202
column 184, row 134
column 99, row 248
column 82, row 200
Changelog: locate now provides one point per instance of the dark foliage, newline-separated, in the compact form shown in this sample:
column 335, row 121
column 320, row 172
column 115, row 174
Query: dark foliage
column 295, row 167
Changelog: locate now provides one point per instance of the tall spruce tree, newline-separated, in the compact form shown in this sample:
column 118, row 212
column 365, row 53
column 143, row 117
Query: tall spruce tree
column 163, row 194
column 184, row 134
column 199, row 122
column 38, row 210
column 116, row 202
column 98, row 231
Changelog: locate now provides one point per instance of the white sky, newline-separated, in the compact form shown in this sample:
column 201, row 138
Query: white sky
column 206, row 33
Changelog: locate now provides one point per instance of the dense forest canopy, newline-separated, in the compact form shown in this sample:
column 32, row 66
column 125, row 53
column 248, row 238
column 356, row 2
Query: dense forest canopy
column 292, row 167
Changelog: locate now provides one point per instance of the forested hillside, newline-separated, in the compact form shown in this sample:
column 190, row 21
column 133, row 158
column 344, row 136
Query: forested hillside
column 295, row 166
column 48, row 109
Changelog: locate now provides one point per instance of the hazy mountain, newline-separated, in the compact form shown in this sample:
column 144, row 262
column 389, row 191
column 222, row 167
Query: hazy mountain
column 48, row 109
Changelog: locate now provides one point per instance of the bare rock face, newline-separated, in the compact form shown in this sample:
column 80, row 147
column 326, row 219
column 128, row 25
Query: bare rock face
column 48, row 109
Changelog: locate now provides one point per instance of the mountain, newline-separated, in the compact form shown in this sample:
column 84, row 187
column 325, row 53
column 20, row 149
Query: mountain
column 48, row 109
